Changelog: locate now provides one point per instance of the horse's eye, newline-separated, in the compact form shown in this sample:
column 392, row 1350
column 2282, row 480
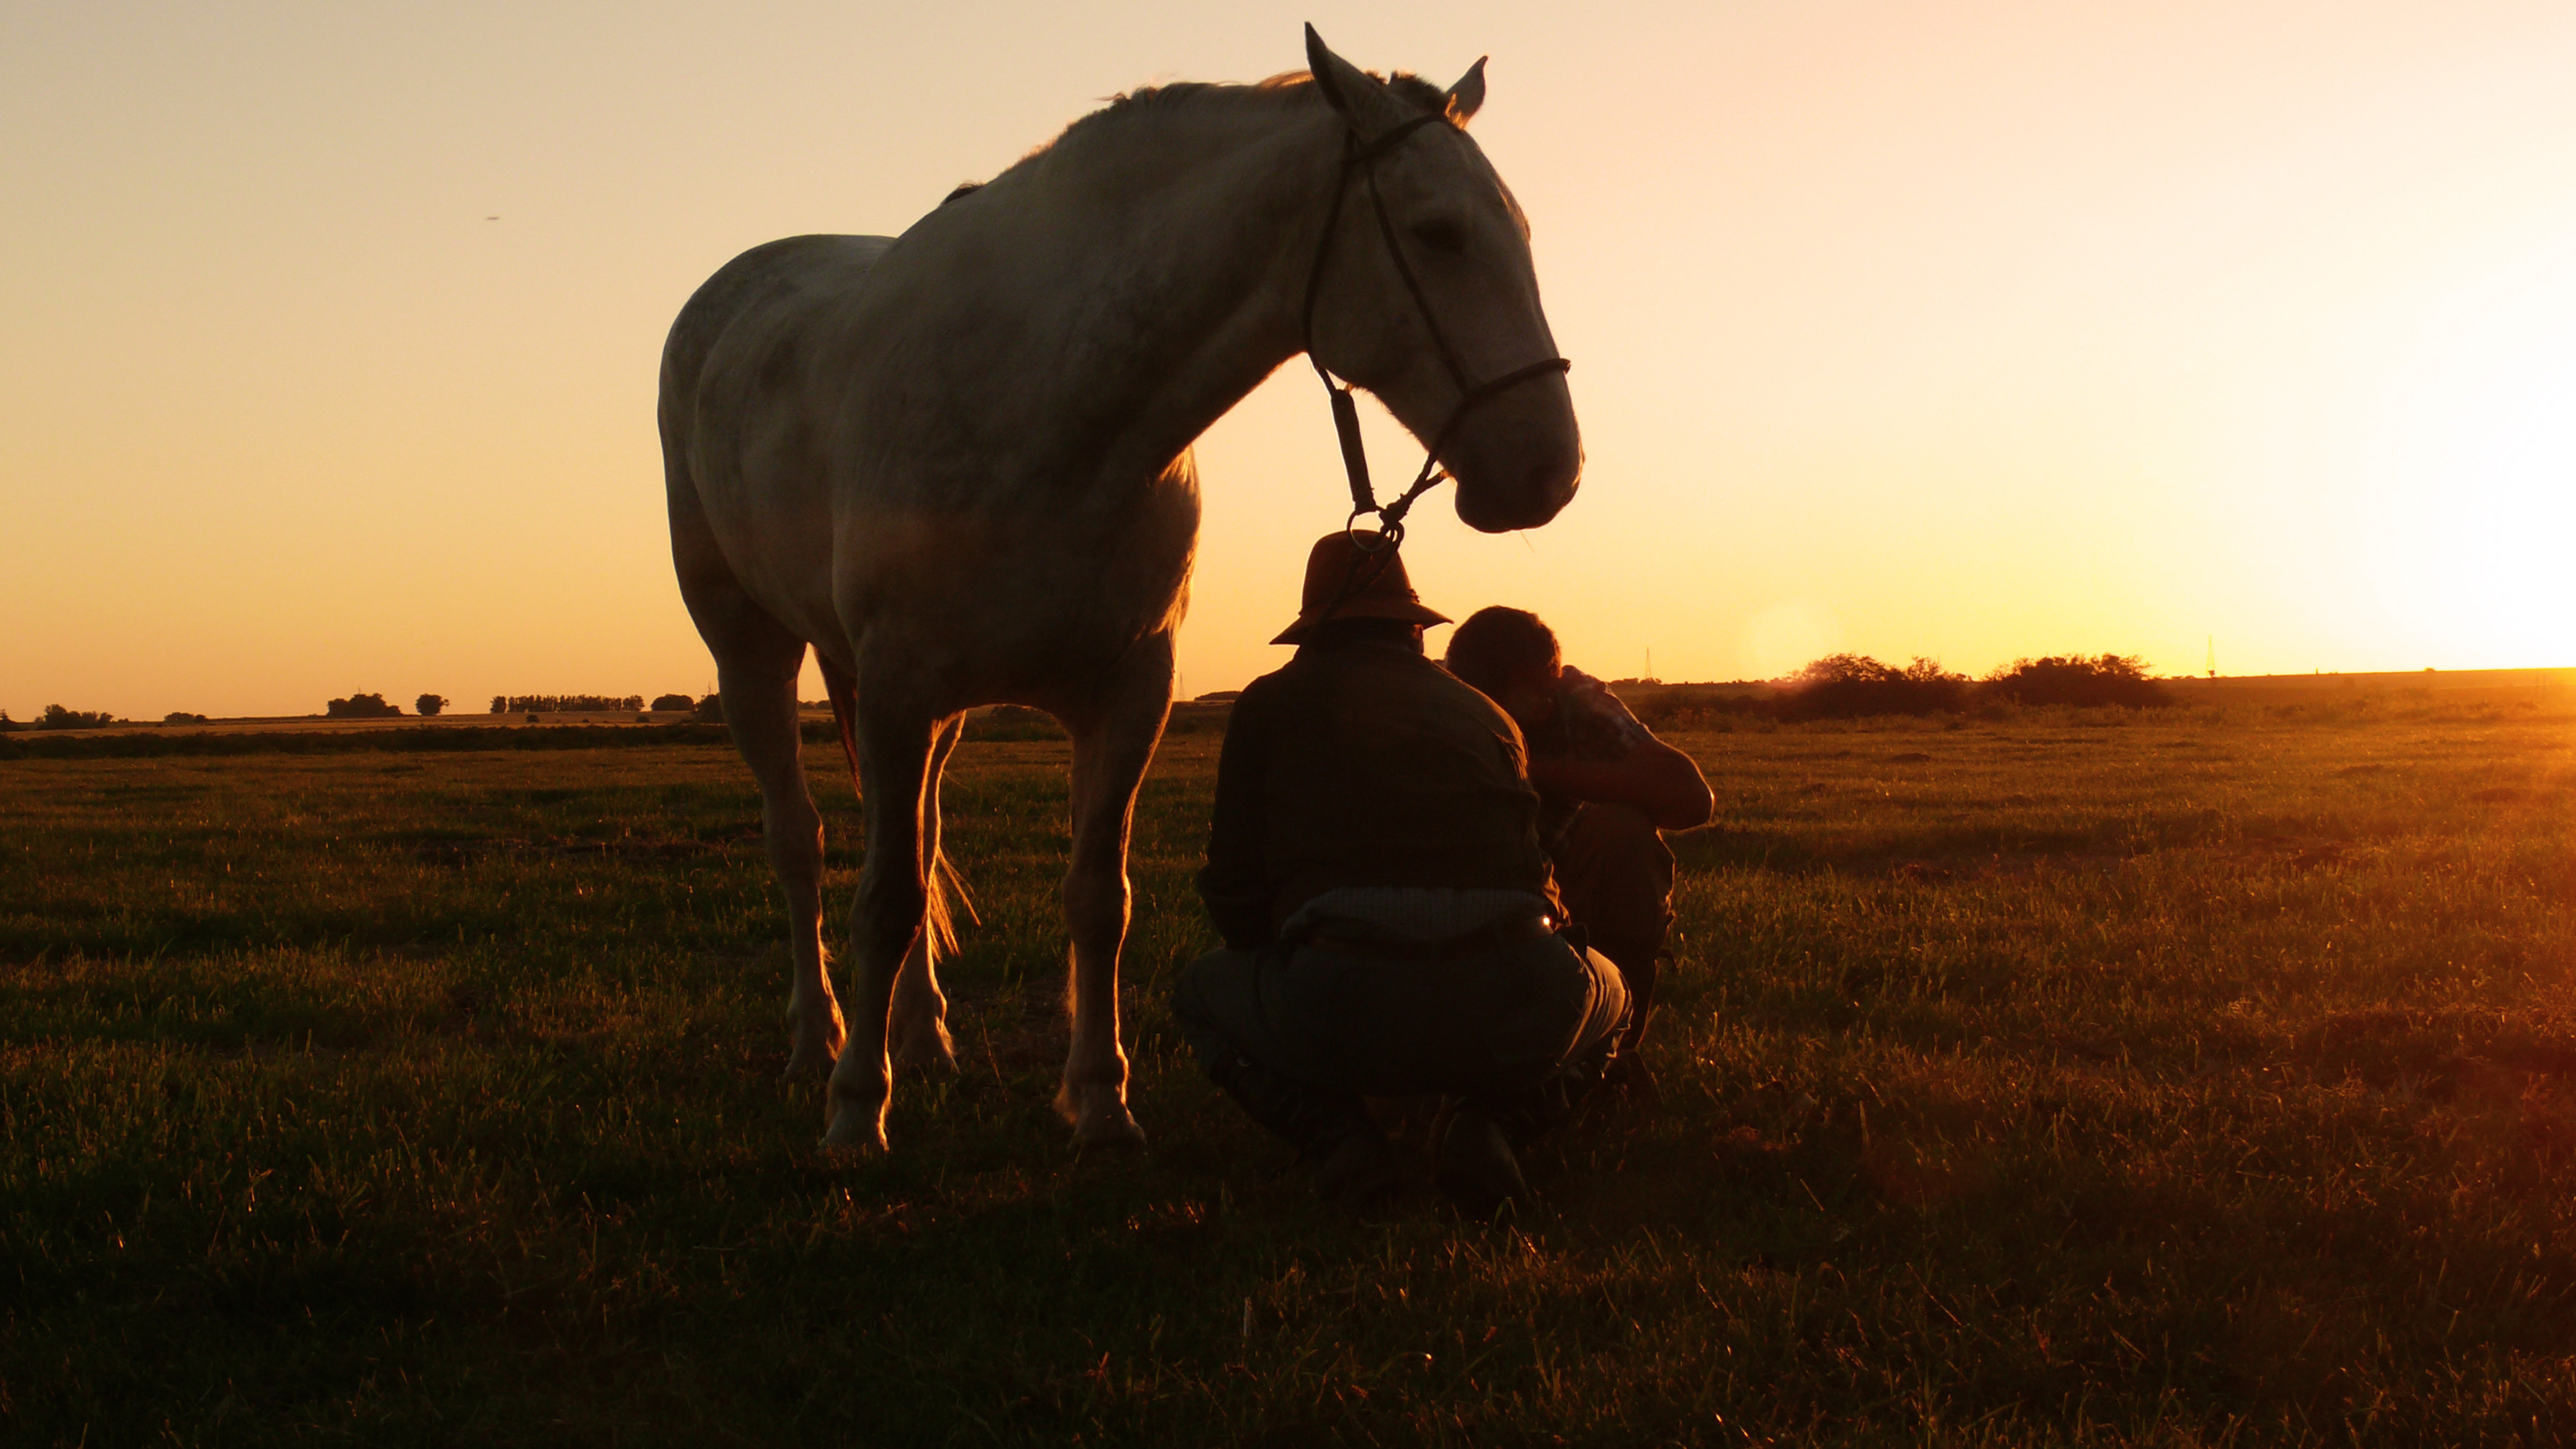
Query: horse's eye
column 1440, row 234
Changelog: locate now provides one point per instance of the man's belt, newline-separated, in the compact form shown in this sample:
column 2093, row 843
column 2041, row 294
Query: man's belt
column 1509, row 932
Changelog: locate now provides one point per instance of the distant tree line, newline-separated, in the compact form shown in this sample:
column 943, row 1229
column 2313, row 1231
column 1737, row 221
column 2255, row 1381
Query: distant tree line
column 568, row 703
column 373, row 705
column 1838, row 686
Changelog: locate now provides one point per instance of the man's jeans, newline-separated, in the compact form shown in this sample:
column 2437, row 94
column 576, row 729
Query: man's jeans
column 1299, row 1034
column 1615, row 875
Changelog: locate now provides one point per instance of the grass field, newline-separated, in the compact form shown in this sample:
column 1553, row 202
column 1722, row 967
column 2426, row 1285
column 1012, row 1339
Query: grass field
column 2190, row 1078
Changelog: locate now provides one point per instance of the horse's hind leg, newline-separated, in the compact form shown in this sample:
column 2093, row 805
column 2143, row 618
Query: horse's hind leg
column 919, row 1017
column 757, row 661
column 894, row 743
column 1112, row 745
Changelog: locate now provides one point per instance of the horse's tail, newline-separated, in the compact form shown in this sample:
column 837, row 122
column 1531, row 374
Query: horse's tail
column 947, row 895
column 939, row 878
column 945, row 889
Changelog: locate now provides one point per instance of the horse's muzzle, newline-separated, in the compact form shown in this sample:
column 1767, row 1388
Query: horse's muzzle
column 1512, row 477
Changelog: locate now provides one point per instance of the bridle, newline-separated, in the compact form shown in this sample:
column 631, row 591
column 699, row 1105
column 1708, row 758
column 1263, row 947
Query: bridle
column 1362, row 157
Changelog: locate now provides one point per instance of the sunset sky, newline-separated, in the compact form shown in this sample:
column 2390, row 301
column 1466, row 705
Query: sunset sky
column 1961, row 330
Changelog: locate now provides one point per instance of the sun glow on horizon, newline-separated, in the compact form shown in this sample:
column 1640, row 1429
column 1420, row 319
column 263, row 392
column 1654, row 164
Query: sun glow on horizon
column 2455, row 461
column 1970, row 332
column 2487, row 422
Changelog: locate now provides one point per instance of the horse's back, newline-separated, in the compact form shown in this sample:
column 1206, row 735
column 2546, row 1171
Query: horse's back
column 769, row 284
column 891, row 450
column 726, row 395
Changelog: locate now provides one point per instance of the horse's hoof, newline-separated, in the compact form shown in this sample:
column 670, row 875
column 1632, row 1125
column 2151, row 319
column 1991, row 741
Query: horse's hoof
column 809, row 1061
column 1112, row 1128
column 814, row 1041
column 854, row 1130
column 928, row 1052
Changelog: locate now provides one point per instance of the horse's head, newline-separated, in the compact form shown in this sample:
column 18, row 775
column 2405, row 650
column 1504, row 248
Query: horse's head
column 1469, row 314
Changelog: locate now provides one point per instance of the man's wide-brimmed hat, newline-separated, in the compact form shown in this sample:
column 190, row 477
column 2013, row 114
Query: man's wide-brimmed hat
column 1346, row 581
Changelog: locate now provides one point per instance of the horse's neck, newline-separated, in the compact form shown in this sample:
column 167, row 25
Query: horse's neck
column 1176, row 272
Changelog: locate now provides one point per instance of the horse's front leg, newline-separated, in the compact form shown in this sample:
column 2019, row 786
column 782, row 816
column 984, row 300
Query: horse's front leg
column 1112, row 745
column 894, row 754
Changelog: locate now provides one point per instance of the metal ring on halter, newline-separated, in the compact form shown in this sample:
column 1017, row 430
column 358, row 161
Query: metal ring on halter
column 1387, row 535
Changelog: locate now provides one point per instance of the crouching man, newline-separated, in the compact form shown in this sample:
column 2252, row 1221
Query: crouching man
column 1374, row 867
column 1607, row 788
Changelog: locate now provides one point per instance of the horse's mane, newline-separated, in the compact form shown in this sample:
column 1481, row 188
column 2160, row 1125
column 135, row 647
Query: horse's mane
column 1292, row 85
column 1289, row 87
column 1404, row 83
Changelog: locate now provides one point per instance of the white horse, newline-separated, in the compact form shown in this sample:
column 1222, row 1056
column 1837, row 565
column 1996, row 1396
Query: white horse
column 956, row 464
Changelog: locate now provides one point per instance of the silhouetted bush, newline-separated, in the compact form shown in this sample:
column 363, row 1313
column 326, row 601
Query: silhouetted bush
column 56, row 717
column 1849, row 686
column 673, row 701
column 361, row 706
column 181, row 716
column 710, row 710
column 2103, row 679
column 8, row 725
column 430, row 704
column 500, row 704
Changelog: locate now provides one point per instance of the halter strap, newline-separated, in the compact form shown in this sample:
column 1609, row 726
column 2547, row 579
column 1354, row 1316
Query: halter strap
column 1361, row 157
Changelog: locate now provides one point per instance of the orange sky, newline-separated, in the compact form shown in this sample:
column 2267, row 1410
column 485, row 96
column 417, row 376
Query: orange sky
column 1965, row 330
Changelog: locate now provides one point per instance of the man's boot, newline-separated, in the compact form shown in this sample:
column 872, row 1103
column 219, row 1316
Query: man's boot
column 1364, row 1170
column 1356, row 1165
column 1474, row 1166
column 1639, row 967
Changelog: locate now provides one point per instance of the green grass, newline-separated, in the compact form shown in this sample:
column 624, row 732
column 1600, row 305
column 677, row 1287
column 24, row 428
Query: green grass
column 2050, row 1079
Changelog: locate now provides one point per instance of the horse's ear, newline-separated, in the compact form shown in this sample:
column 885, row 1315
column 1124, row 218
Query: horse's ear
column 1468, row 95
column 1361, row 98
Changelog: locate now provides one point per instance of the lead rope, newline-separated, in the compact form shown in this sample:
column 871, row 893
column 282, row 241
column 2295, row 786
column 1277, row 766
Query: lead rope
column 1346, row 418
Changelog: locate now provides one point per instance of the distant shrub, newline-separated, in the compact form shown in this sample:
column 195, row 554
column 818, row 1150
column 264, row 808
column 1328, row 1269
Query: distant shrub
column 2118, row 679
column 8, row 725
column 56, row 717
column 673, row 701
column 430, row 704
column 361, row 706
column 181, row 716
column 500, row 704
column 710, row 710
column 1849, row 686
